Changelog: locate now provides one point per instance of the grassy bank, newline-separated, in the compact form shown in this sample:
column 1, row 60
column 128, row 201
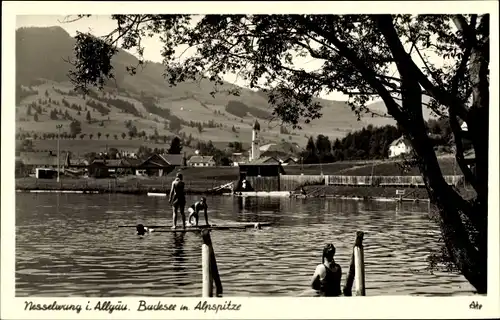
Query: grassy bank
column 374, row 192
column 385, row 167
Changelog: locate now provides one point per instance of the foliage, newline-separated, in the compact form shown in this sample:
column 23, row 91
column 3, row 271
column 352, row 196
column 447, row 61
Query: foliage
column 75, row 127
column 175, row 146
column 362, row 56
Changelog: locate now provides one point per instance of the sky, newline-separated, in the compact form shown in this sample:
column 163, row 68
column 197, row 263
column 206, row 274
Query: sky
column 102, row 24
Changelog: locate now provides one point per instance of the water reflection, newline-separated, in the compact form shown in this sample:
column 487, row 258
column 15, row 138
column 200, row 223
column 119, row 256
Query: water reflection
column 178, row 252
column 69, row 245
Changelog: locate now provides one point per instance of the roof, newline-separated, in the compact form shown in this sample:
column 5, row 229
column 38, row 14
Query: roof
column 76, row 162
column 41, row 158
column 131, row 162
column 256, row 125
column 399, row 140
column 238, row 157
column 263, row 161
column 282, row 147
column 201, row 159
column 173, row 159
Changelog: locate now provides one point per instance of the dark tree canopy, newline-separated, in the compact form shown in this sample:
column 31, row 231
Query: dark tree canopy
column 362, row 56
column 175, row 146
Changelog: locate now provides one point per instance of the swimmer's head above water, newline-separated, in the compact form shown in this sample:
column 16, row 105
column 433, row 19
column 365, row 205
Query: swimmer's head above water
column 328, row 252
column 142, row 230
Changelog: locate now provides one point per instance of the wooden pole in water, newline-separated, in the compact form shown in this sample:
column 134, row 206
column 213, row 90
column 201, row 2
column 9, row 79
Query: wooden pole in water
column 206, row 272
column 352, row 266
column 359, row 269
column 209, row 265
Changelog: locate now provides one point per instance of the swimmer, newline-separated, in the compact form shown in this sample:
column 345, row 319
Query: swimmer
column 142, row 230
column 327, row 276
column 196, row 208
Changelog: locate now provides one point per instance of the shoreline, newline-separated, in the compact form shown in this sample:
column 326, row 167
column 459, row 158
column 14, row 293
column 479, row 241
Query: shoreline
column 198, row 187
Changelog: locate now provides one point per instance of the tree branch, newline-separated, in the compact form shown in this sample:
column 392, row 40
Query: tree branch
column 369, row 74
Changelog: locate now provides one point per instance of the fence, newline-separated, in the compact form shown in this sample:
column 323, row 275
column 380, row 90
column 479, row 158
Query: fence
column 266, row 184
column 292, row 182
column 131, row 185
column 393, row 181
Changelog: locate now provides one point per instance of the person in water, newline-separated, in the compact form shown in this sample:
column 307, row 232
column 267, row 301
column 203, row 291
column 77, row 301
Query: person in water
column 195, row 208
column 142, row 230
column 177, row 199
column 327, row 276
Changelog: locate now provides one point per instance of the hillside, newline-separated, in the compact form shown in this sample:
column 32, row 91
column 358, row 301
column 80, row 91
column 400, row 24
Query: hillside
column 147, row 101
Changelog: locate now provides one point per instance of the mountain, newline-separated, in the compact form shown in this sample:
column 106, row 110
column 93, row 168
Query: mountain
column 147, row 100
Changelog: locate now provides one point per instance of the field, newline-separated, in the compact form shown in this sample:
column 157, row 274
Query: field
column 368, row 168
column 80, row 147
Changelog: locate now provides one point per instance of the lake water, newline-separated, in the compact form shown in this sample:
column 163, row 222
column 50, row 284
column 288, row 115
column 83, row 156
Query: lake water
column 69, row 245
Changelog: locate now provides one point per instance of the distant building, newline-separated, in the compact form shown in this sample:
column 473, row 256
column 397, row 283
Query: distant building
column 289, row 160
column 255, row 149
column 238, row 158
column 260, row 175
column 32, row 160
column 159, row 164
column 399, row 146
column 201, row 161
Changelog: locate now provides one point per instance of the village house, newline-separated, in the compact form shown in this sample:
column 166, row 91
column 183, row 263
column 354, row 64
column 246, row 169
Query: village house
column 399, row 146
column 261, row 174
column 159, row 164
column 201, row 161
column 238, row 158
column 31, row 160
column 289, row 160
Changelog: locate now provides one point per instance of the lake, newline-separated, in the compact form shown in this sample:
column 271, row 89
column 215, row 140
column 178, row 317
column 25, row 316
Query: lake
column 68, row 245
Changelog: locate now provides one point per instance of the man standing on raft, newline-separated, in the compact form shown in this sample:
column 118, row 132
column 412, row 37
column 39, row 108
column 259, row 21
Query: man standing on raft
column 177, row 199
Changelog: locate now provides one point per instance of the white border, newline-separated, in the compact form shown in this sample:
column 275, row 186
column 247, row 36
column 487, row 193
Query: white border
column 255, row 308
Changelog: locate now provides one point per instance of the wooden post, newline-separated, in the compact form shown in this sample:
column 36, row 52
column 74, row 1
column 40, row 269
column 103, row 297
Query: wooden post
column 206, row 272
column 352, row 266
column 359, row 278
column 209, row 265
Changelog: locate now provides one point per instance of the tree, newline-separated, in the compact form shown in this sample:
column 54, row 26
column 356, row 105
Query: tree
column 175, row 146
column 75, row 127
column 311, row 153
column 28, row 111
column 132, row 131
column 27, row 145
column 124, row 135
column 99, row 134
column 88, row 117
column 363, row 56
column 175, row 124
column 35, row 117
column 90, row 136
column 115, row 136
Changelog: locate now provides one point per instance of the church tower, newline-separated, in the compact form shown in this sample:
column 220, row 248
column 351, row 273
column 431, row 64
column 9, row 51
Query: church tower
column 255, row 152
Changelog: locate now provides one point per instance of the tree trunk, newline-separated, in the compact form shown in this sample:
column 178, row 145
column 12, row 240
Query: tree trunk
column 462, row 226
